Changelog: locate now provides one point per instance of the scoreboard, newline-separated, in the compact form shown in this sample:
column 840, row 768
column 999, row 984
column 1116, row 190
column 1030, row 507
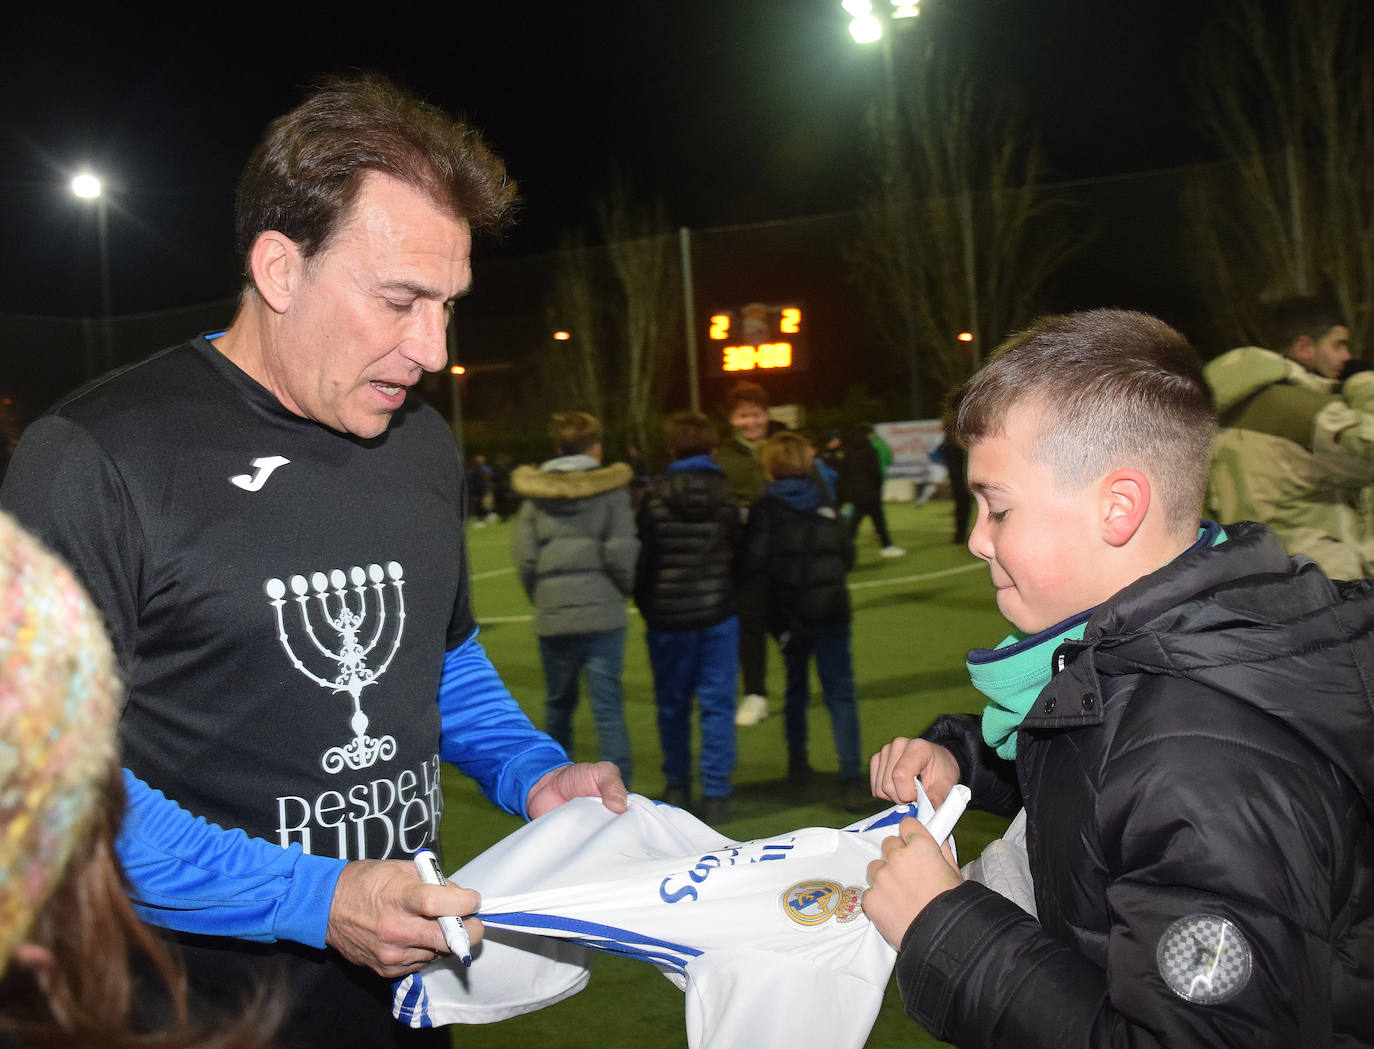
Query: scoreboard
column 759, row 336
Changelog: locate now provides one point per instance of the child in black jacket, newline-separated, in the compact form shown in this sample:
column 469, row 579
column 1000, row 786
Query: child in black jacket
column 689, row 530
column 801, row 552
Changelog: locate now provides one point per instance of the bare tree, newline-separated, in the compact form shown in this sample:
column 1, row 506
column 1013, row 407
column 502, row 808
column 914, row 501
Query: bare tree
column 958, row 234
column 575, row 376
column 643, row 257
column 621, row 303
column 1289, row 94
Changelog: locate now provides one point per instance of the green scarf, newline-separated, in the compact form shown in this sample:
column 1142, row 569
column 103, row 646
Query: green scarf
column 1012, row 674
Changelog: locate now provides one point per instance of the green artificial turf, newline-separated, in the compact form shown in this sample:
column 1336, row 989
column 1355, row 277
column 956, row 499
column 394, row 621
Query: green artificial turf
column 915, row 618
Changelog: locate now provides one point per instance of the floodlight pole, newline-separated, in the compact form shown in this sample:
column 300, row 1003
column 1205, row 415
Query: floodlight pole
column 102, row 226
column 689, row 309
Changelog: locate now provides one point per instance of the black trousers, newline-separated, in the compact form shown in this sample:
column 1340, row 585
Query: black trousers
column 874, row 509
column 753, row 654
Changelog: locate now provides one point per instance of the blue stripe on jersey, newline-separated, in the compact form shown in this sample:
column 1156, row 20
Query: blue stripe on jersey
column 577, row 925
column 599, row 936
column 658, row 959
column 414, row 1008
column 890, row 820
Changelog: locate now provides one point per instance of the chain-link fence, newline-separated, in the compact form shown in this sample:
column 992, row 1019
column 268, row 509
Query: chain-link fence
column 1143, row 252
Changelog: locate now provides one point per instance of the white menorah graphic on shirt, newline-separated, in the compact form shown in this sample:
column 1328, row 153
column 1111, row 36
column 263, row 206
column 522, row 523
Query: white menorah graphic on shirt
column 347, row 620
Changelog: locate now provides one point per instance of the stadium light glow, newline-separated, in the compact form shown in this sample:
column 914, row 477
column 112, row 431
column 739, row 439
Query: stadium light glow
column 86, row 186
column 866, row 29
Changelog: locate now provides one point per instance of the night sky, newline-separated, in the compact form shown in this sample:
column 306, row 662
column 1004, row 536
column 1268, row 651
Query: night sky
column 731, row 112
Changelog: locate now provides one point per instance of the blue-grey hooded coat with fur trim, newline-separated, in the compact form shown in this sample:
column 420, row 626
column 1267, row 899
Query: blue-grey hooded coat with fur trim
column 575, row 545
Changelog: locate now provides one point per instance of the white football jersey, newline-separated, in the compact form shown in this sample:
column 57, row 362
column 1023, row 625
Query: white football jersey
column 766, row 937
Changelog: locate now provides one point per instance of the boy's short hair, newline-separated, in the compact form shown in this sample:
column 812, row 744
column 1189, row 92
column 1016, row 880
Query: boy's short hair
column 1299, row 315
column 786, row 454
column 574, row 432
column 689, row 434
column 1114, row 389
column 746, row 393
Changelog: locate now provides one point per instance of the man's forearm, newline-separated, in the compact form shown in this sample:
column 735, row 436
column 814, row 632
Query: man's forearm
column 190, row 875
column 486, row 734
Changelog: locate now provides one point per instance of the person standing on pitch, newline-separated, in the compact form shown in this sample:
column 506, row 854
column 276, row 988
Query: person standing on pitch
column 272, row 527
column 799, row 551
column 574, row 548
column 689, row 531
column 746, row 408
column 1296, row 448
column 862, row 485
column 1183, row 711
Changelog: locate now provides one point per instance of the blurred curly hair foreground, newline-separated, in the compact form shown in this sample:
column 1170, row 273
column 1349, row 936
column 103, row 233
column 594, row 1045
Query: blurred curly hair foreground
column 68, row 932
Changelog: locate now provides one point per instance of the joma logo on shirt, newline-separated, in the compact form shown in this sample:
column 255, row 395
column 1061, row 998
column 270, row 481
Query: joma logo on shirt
column 264, row 468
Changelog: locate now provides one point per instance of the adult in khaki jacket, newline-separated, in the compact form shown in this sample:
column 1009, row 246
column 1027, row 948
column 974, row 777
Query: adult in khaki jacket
column 1296, row 447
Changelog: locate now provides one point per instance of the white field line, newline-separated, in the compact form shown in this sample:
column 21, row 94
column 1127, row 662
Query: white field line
column 866, row 585
column 493, row 573
column 870, row 583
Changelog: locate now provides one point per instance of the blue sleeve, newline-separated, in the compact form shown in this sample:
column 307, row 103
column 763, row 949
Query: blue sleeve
column 486, row 734
column 194, row 876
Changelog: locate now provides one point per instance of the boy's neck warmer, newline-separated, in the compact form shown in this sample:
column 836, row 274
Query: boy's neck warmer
column 1013, row 674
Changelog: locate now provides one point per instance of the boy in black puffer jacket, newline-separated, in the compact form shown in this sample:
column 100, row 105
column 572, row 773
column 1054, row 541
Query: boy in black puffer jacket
column 689, row 529
column 1183, row 711
column 800, row 551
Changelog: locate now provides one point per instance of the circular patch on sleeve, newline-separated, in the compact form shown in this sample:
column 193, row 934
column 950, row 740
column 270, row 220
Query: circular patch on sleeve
column 1204, row 959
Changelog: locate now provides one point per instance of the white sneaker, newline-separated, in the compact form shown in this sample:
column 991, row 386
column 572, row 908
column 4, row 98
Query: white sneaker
column 891, row 551
column 752, row 709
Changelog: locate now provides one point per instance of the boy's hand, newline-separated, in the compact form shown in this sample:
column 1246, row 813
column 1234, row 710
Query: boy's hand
column 913, row 871
column 893, row 771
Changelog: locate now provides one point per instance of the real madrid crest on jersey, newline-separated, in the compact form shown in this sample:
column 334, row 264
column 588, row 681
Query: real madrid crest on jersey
column 1204, row 959
column 816, row 902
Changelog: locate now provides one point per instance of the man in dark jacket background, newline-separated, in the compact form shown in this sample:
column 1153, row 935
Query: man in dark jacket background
column 1184, row 713
column 861, row 484
column 689, row 530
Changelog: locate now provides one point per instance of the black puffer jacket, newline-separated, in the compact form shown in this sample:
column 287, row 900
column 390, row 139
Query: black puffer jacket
column 689, row 533
column 799, row 557
column 1204, row 756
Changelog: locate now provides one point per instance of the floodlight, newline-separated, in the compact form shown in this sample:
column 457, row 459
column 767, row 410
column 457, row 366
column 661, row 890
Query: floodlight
column 865, row 29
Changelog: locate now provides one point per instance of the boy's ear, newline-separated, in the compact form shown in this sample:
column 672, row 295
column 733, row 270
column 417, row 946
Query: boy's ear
column 1125, row 501
column 276, row 264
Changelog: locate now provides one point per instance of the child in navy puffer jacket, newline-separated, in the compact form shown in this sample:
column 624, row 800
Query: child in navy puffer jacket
column 801, row 551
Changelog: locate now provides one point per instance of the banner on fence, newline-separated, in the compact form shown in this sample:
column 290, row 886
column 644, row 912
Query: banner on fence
column 915, row 455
